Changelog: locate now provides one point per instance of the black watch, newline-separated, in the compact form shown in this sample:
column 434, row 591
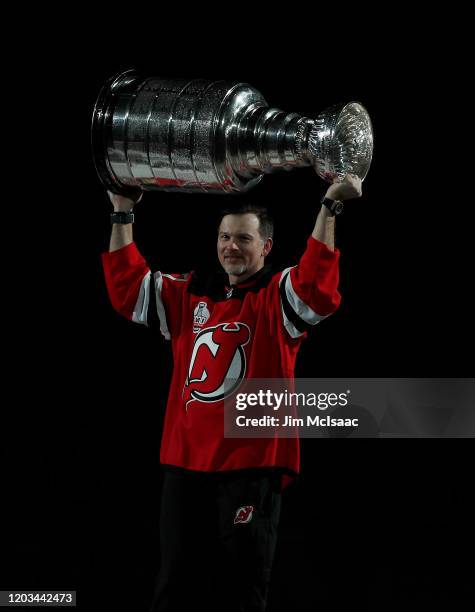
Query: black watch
column 122, row 217
column 334, row 206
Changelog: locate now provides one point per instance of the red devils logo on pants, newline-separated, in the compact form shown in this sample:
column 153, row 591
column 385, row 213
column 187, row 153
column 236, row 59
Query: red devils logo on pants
column 217, row 355
column 243, row 514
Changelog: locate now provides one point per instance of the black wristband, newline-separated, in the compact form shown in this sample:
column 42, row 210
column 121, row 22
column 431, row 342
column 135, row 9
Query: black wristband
column 334, row 206
column 122, row 217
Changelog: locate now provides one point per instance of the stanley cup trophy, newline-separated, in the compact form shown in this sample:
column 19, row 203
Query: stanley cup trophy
column 215, row 137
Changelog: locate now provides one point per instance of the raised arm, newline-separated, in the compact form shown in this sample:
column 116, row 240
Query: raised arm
column 122, row 233
column 134, row 291
column 341, row 189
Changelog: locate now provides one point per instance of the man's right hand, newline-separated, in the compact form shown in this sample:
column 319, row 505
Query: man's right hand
column 121, row 203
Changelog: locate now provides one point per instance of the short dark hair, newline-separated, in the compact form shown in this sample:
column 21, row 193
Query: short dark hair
column 266, row 222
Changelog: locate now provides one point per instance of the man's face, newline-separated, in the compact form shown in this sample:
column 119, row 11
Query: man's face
column 241, row 249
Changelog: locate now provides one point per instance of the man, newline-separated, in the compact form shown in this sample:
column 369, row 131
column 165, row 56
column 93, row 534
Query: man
column 221, row 496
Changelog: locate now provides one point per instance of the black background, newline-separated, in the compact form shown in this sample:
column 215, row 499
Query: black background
column 373, row 523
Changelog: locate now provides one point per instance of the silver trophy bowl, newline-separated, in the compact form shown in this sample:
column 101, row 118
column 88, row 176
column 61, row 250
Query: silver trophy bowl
column 341, row 142
column 222, row 137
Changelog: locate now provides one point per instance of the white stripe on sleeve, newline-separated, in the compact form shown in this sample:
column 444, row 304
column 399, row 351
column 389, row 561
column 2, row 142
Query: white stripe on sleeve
column 139, row 314
column 289, row 326
column 300, row 307
column 158, row 277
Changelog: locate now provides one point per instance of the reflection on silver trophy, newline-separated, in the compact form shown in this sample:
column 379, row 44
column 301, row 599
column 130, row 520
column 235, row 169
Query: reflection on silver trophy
column 215, row 137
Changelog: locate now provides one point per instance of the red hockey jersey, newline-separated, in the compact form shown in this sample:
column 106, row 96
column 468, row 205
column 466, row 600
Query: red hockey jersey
column 250, row 330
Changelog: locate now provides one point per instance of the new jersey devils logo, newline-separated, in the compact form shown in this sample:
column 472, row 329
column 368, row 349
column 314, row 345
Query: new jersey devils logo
column 243, row 514
column 217, row 355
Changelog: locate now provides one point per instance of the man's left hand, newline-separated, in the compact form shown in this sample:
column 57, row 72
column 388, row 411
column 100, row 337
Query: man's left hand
column 345, row 189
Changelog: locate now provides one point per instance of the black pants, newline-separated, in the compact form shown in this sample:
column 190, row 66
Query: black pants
column 217, row 536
